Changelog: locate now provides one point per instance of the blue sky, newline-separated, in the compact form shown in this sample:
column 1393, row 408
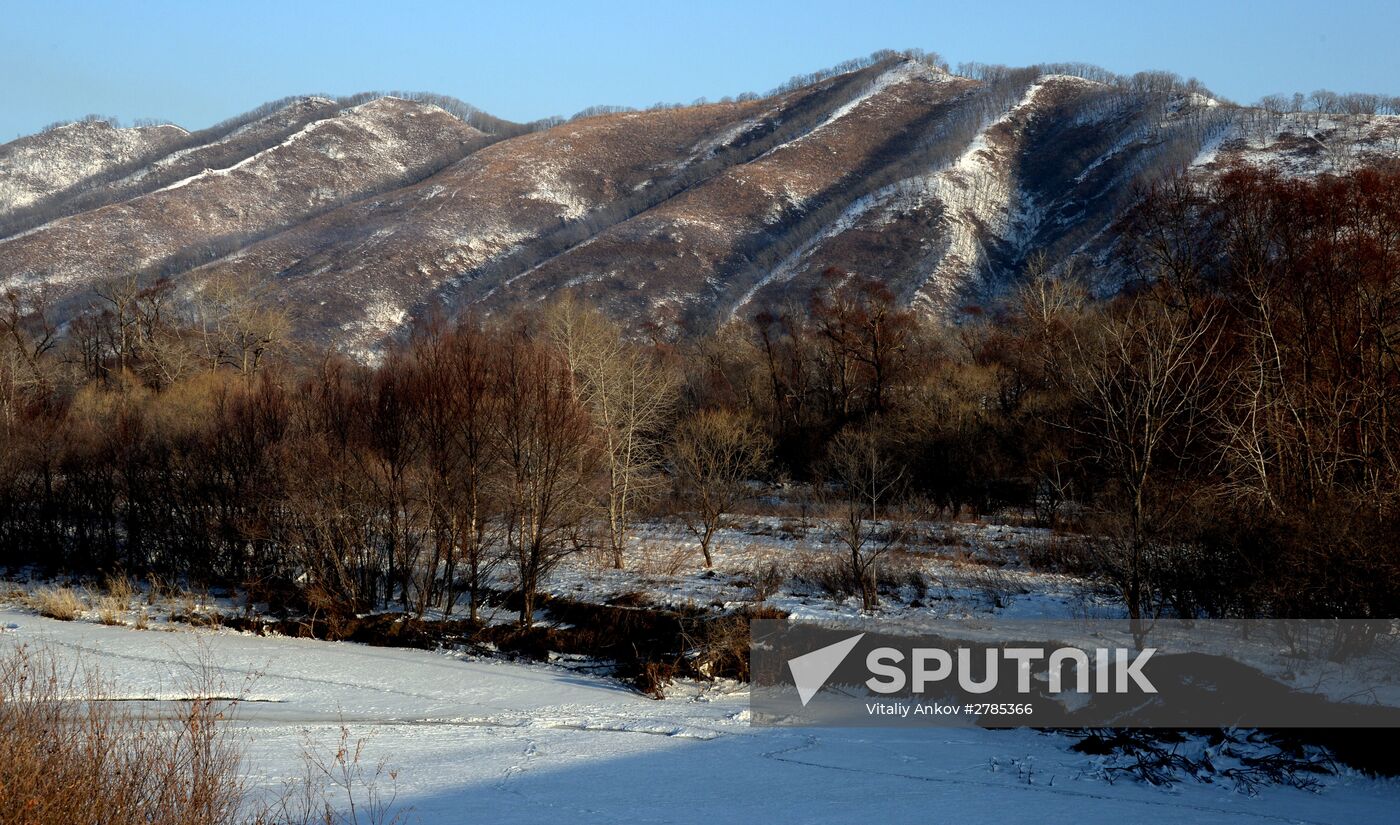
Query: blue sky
column 198, row 62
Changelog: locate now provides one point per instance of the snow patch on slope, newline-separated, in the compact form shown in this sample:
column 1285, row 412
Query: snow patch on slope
column 37, row 166
column 894, row 76
column 902, row 73
column 1303, row 144
column 975, row 188
column 707, row 149
column 383, row 315
column 980, row 197
column 550, row 187
column 299, row 135
column 271, row 121
column 374, row 120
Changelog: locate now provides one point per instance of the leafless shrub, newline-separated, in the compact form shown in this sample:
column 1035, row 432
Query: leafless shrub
column 900, row 572
column 338, row 786
column 713, row 455
column 765, row 579
column 870, row 485
column 995, row 584
column 1057, row 553
column 663, row 560
column 826, row 572
column 64, row 761
column 720, row 645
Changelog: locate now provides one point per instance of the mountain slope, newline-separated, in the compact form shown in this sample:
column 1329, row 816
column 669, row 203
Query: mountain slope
column 361, row 217
column 34, row 167
column 369, row 148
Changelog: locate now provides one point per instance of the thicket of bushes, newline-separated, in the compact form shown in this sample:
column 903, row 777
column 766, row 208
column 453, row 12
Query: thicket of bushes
column 1225, row 429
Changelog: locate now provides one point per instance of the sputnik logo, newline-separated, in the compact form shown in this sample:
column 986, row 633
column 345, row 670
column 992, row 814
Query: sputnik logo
column 811, row 670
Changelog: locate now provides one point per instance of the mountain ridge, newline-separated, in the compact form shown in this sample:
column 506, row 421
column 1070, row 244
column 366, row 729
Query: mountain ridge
column 364, row 216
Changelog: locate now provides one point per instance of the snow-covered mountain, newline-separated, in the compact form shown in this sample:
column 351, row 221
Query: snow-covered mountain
column 362, row 214
column 36, row 167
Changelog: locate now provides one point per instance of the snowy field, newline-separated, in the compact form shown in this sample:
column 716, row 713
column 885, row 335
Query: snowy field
column 482, row 740
column 964, row 569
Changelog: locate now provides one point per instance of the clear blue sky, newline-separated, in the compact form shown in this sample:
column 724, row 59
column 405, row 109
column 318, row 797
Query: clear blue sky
column 198, row 62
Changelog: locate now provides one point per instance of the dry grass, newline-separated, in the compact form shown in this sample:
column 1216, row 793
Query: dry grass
column 110, row 610
column 997, row 586
column 62, row 603
column 342, row 776
column 112, row 607
column 665, row 559
column 70, row 756
column 155, row 590
column 66, row 761
column 120, row 588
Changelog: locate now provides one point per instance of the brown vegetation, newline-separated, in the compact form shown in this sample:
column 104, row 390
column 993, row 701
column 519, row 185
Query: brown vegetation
column 1224, row 431
column 67, row 761
column 69, row 755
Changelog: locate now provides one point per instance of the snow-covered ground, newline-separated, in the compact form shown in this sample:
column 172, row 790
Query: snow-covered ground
column 965, row 569
column 486, row 740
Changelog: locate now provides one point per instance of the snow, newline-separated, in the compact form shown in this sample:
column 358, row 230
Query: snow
column 298, row 135
column 477, row 739
column 273, row 120
column 981, row 196
column 978, row 192
column 1210, row 149
column 550, row 187
column 373, row 119
column 707, row 149
column 1302, row 144
column 35, row 167
column 904, row 72
column 382, row 315
column 971, row 569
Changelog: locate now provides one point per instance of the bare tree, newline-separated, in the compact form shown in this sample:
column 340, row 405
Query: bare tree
column 1146, row 386
column 457, row 419
column 392, row 454
column 549, row 462
column 871, row 490
column 630, row 397
column 27, row 336
column 241, row 323
column 116, row 305
column 714, row 454
column 331, row 523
